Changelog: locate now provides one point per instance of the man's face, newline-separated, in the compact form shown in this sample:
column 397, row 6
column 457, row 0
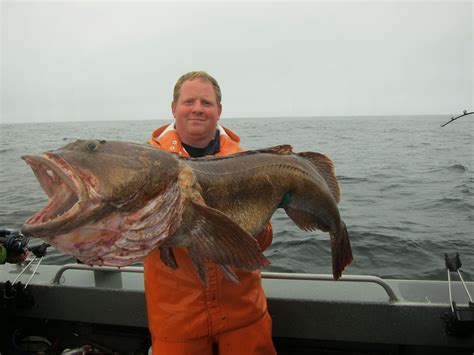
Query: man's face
column 196, row 112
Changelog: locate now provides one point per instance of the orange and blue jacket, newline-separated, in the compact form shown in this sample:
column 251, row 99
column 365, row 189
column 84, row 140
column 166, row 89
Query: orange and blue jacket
column 179, row 306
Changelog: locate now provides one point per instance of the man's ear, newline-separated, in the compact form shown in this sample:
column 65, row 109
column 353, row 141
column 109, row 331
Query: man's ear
column 173, row 107
column 220, row 111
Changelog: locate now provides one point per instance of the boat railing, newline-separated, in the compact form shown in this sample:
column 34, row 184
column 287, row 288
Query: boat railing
column 99, row 270
column 327, row 277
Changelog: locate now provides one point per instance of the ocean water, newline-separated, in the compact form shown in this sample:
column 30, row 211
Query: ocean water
column 407, row 186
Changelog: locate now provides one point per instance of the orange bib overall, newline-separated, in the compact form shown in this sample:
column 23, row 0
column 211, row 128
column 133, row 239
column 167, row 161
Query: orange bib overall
column 187, row 318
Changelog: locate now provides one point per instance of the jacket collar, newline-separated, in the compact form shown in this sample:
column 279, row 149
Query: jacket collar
column 160, row 132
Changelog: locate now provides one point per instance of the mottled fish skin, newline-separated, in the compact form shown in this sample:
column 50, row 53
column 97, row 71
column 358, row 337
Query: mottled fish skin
column 127, row 200
column 249, row 186
column 113, row 202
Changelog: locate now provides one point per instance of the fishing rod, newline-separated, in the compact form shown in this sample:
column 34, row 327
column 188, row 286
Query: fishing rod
column 460, row 320
column 464, row 113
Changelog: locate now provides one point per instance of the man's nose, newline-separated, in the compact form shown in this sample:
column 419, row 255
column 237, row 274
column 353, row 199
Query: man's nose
column 197, row 107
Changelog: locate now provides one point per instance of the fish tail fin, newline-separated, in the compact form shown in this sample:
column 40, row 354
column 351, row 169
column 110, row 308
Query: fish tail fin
column 217, row 238
column 326, row 167
column 341, row 251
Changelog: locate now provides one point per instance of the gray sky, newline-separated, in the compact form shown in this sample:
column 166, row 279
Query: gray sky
column 110, row 60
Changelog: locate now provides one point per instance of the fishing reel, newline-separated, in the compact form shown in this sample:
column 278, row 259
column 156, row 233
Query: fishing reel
column 13, row 241
column 16, row 294
column 16, row 243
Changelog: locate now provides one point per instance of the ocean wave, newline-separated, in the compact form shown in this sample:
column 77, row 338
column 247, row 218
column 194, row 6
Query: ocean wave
column 395, row 186
column 451, row 203
column 453, row 167
column 362, row 199
column 349, row 179
column 422, row 258
column 288, row 242
column 458, row 167
column 464, row 189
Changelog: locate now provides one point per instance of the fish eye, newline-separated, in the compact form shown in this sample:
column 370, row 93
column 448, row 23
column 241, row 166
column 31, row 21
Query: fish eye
column 92, row 145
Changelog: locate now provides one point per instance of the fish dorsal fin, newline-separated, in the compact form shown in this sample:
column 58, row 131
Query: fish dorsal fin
column 326, row 168
column 284, row 149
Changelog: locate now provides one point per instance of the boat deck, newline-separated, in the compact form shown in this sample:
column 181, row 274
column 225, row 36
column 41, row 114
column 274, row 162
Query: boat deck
column 311, row 314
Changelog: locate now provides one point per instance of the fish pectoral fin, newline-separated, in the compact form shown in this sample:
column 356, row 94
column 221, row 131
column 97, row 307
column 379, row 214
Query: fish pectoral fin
column 167, row 257
column 217, row 238
column 326, row 167
column 229, row 273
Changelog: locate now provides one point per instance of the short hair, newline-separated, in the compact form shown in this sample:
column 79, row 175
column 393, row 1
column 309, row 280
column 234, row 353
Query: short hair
column 197, row 75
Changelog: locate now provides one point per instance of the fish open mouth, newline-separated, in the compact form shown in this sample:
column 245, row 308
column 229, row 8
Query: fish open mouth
column 61, row 185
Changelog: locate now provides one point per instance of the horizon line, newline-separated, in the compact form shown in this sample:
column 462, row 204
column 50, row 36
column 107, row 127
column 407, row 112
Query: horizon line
column 236, row 118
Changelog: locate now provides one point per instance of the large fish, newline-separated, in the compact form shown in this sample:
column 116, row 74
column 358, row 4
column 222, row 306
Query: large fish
column 113, row 202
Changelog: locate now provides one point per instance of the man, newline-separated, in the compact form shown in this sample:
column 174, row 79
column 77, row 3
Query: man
column 184, row 316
